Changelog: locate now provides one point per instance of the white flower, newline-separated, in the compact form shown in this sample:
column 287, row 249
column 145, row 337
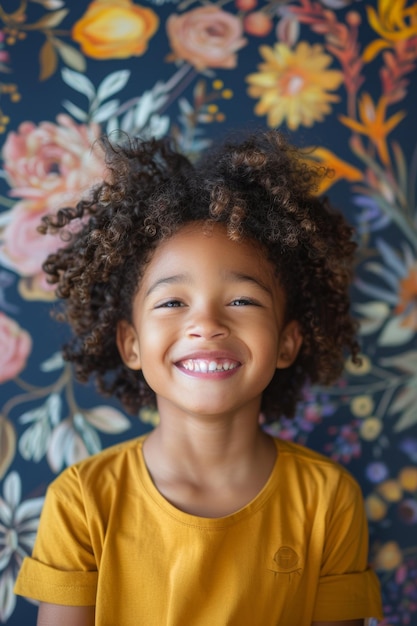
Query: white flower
column 34, row 442
column 18, row 526
column 75, row 437
column 394, row 312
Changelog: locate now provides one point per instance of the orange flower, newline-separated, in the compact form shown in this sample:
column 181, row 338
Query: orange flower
column 338, row 169
column 407, row 298
column 390, row 22
column 373, row 123
column 115, row 29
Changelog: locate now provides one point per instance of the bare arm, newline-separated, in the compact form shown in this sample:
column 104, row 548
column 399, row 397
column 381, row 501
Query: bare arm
column 59, row 615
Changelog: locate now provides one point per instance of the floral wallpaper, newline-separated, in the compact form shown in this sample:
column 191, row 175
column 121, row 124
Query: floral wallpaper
column 336, row 75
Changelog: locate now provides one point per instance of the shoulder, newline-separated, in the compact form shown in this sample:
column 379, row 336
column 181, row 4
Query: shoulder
column 112, row 466
column 313, row 469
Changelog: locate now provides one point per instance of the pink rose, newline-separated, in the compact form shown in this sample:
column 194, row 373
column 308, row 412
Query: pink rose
column 15, row 346
column 23, row 248
column 49, row 166
column 206, row 37
column 52, row 158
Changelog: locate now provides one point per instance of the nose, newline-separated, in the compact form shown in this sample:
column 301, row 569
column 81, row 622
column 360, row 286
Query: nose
column 207, row 323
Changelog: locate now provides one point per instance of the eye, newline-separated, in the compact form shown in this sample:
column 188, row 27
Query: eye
column 170, row 304
column 243, row 302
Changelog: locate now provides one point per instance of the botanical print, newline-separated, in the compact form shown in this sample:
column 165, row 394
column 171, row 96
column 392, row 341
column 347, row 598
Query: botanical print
column 338, row 76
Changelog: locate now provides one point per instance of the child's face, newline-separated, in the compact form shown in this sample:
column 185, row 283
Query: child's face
column 208, row 324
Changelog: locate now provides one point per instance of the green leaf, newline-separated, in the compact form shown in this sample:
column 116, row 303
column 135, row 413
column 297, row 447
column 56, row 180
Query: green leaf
column 79, row 82
column 112, row 84
column 408, row 419
column 71, row 56
column 48, row 21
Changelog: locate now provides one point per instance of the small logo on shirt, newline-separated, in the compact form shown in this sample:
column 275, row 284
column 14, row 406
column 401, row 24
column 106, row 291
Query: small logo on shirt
column 286, row 561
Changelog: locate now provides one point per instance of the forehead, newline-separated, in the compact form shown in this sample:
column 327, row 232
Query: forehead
column 194, row 242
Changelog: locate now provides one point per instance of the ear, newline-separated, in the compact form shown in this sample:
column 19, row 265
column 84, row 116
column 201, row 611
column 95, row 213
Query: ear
column 289, row 344
column 128, row 345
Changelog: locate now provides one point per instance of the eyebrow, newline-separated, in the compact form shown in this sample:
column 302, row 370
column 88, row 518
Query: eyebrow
column 245, row 278
column 169, row 280
column 229, row 275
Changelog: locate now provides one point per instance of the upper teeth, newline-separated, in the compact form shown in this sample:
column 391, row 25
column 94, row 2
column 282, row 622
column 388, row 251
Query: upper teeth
column 200, row 365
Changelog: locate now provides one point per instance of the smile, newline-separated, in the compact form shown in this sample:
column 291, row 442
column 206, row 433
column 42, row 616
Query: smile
column 207, row 366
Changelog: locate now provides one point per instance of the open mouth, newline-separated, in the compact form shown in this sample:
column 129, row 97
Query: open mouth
column 208, row 365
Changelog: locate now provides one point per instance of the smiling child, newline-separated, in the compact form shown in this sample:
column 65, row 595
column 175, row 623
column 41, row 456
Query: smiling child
column 213, row 292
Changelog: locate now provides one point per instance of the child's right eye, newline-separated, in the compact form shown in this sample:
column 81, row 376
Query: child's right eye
column 169, row 304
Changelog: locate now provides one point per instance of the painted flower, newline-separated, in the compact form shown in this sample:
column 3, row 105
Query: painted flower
column 337, row 169
column 76, row 437
column 24, row 249
column 294, row 85
column 49, row 159
column 376, row 508
column 18, row 526
column 49, row 166
column 408, row 478
column 377, row 471
column 115, row 29
column 362, row 406
column 395, row 310
column 393, row 21
column 206, row 37
column 390, row 490
column 346, row 444
column 388, row 557
column 373, row 123
column 359, row 369
column 370, row 428
column 15, row 347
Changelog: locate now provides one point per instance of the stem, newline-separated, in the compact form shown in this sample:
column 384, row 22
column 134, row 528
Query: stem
column 172, row 82
column 33, row 393
column 180, row 87
column 355, row 389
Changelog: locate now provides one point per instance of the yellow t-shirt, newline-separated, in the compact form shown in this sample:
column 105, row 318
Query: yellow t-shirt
column 296, row 553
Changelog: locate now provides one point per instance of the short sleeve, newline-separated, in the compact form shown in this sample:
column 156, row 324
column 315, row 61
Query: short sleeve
column 62, row 568
column 347, row 585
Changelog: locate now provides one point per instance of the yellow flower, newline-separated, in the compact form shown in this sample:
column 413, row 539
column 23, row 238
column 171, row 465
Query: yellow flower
column 376, row 508
column 361, row 369
column 388, row 557
column 370, row 428
column 294, row 85
column 390, row 490
column 390, row 22
column 115, row 29
column 373, row 123
column 408, row 478
column 361, row 406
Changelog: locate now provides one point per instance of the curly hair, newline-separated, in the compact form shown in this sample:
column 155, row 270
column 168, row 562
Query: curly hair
column 261, row 188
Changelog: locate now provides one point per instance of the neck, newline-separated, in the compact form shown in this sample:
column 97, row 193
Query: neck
column 207, row 448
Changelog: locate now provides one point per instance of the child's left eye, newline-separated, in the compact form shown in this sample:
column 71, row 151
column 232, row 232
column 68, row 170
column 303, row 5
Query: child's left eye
column 243, row 302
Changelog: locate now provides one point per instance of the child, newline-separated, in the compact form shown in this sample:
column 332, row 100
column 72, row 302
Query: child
column 213, row 292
